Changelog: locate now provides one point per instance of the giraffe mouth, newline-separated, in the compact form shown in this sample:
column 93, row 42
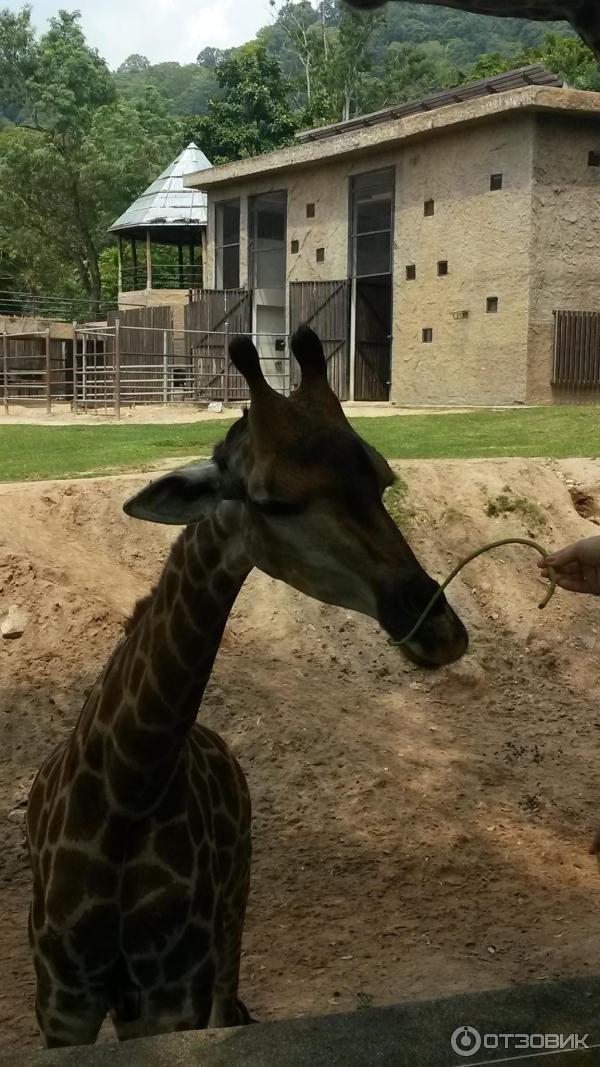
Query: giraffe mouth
column 440, row 640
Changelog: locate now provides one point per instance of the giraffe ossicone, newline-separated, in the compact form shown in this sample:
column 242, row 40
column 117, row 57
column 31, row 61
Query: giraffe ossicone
column 139, row 823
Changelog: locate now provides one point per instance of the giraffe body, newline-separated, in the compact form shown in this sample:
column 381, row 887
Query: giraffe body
column 140, row 837
column 139, row 824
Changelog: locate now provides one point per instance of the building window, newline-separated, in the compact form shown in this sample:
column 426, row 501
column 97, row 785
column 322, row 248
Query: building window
column 372, row 223
column 268, row 227
column 496, row 182
column 442, row 268
column 492, row 305
column 295, row 247
column 411, row 272
column 227, row 245
column 310, row 211
column 427, row 336
column 429, row 208
column 593, row 159
column 320, row 255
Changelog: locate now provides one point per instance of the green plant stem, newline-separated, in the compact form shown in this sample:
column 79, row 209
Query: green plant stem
column 469, row 559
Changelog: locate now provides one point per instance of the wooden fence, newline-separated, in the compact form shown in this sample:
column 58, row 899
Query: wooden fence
column 576, row 350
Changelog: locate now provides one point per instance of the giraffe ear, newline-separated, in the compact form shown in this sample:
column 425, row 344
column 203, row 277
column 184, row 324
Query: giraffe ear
column 181, row 497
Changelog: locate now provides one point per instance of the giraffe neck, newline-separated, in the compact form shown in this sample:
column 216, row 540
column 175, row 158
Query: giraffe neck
column 145, row 704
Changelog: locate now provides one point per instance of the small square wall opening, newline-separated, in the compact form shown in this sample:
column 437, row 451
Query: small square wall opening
column 411, row 272
column 442, row 268
column 310, row 211
column 492, row 305
column 429, row 208
column 496, row 181
column 320, row 255
column 295, row 247
column 594, row 159
column 427, row 335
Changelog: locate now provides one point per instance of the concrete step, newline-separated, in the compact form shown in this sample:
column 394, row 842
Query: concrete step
column 415, row 1034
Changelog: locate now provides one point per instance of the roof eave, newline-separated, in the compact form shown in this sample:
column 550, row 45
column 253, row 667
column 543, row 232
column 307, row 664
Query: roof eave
column 383, row 135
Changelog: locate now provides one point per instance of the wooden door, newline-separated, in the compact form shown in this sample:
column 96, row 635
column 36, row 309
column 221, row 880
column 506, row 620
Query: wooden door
column 325, row 307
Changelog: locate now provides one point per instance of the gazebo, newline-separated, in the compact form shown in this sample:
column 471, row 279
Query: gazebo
column 166, row 217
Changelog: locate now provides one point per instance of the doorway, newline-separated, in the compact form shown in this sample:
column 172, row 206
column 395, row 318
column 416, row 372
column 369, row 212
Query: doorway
column 268, row 228
column 371, row 244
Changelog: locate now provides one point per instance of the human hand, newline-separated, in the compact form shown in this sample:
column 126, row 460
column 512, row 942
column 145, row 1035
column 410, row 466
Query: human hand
column 577, row 566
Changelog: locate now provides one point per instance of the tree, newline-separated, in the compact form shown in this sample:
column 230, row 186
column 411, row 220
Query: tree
column 76, row 160
column 16, row 60
column 134, row 64
column 212, row 57
column 412, row 71
column 568, row 57
column 254, row 116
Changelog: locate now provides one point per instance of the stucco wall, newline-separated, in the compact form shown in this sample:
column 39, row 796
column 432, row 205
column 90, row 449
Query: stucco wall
column 484, row 236
column 565, row 250
column 533, row 244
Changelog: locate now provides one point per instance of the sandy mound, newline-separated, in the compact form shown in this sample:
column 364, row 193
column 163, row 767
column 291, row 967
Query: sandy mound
column 415, row 834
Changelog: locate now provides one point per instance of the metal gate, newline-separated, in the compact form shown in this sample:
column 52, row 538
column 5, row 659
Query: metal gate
column 325, row 307
column 211, row 318
column 146, row 354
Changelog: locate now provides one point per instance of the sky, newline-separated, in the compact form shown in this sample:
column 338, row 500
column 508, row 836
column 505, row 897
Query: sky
column 159, row 29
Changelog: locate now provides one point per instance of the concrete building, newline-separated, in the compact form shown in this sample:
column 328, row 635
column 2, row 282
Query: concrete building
column 430, row 244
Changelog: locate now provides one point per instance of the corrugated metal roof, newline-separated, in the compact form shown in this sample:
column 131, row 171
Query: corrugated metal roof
column 168, row 202
column 501, row 83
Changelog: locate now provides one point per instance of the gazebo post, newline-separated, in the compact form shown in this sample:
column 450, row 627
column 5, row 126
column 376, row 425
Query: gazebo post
column 192, row 265
column 148, row 260
column 180, row 260
column 135, row 263
column 120, row 260
column 203, row 250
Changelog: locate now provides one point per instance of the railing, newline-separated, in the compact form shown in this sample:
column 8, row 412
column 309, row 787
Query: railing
column 107, row 368
column 63, row 309
column 171, row 276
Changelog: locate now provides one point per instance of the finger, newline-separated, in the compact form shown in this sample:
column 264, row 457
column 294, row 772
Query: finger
column 559, row 559
column 573, row 585
column 566, row 568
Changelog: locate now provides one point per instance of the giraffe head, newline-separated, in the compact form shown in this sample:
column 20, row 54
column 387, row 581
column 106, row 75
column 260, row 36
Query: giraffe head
column 309, row 495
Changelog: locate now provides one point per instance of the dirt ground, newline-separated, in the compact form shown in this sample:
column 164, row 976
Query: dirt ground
column 416, row 834
column 137, row 414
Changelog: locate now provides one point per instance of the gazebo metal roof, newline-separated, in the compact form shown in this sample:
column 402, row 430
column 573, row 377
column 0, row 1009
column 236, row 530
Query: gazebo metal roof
column 168, row 208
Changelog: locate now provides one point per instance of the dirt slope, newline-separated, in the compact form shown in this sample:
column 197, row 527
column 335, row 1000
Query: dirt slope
column 415, row 834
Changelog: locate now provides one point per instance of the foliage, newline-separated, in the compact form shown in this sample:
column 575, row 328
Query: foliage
column 185, row 89
column 567, row 56
column 255, row 114
column 78, row 143
column 74, row 161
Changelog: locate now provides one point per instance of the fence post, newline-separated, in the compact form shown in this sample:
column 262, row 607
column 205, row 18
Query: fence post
column 48, row 375
column 165, row 368
column 118, row 368
column 75, row 398
column 226, row 365
column 5, row 368
column 84, row 368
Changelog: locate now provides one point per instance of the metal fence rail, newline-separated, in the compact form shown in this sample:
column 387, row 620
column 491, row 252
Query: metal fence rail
column 106, row 368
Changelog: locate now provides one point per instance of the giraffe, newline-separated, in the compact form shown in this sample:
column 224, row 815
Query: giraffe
column 584, row 15
column 139, row 823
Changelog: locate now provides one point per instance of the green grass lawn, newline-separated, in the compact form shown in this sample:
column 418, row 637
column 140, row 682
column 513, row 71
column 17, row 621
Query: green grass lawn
column 36, row 452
